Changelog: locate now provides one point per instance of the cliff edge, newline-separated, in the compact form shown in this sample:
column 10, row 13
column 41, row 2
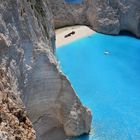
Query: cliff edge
column 27, row 43
column 105, row 16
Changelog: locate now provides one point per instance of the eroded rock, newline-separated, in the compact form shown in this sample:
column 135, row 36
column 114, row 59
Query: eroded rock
column 27, row 51
column 14, row 123
column 106, row 16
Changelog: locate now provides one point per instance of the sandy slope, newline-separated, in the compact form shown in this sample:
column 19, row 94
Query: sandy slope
column 80, row 31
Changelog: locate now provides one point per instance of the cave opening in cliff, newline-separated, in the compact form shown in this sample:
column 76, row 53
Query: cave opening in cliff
column 105, row 72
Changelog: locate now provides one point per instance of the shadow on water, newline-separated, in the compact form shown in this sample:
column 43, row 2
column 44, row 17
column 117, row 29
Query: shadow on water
column 122, row 33
column 127, row 33
column 83, row 137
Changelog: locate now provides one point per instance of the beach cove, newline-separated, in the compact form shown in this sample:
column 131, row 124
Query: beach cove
column 105, row 73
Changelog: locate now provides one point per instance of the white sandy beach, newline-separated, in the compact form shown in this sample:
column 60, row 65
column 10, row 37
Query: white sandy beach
column 80, row 31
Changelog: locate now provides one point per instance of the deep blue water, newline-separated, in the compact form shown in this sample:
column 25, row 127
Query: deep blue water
column 74, row 1
column 109, row 84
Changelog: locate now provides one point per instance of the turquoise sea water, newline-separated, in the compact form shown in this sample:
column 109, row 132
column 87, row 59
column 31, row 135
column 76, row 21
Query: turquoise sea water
column 105, row 72
column 74, row 1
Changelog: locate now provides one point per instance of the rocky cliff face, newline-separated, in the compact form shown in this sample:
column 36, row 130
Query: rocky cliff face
column 27, row 55
column 28, row 68
column 66, row 14
column 106, row 16
column 14, row 123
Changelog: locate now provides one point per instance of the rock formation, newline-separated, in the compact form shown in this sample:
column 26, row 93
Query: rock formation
column 14, row 123
column 66, row 14
column 106, row 16
column 28, row 67
column 31, row 71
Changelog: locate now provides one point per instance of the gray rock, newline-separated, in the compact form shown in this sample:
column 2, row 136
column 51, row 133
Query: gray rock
column 14, row 122
column 66, row 14
column 106, row 16
column 27, row 51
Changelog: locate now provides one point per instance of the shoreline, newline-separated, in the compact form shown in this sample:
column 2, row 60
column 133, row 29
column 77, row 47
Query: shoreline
column 73, row 33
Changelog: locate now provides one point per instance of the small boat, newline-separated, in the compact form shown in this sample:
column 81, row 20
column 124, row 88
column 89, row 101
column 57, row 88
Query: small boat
column 106, row 52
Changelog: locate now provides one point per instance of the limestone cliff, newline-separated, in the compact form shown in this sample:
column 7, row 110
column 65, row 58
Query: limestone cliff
column 14, row 123
column 106, row 16
column 27, row 55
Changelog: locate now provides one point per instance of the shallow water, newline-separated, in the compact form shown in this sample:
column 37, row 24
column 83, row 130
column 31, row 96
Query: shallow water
column 105, row 72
